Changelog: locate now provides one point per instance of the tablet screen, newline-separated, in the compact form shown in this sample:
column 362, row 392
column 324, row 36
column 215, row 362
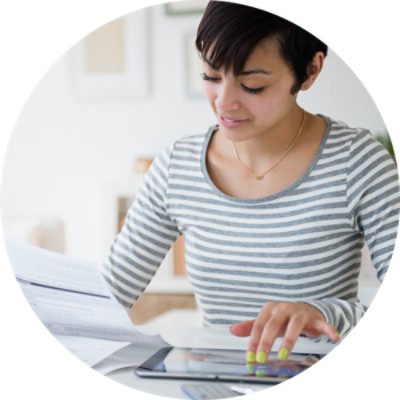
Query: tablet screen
column 222, row 364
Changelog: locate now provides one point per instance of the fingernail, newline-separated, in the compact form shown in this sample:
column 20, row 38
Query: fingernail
column 251, row 358
column 261, row 357
column 283, row 353
column 337, row 334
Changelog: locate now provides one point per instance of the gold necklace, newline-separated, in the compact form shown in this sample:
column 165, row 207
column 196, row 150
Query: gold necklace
column 261, row 176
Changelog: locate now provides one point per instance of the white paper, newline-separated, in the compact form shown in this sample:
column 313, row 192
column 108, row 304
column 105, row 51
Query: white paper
column 127, row 357
column 106, row 356
column 70, row 296
column 89, row 350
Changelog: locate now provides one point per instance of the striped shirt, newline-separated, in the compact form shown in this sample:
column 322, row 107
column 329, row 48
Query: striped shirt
column 302, row 244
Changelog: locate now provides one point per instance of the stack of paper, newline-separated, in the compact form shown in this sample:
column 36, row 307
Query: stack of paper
column 71, row 299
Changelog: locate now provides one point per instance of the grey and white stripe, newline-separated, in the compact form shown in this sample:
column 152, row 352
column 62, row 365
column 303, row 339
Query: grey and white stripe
column 302, row 244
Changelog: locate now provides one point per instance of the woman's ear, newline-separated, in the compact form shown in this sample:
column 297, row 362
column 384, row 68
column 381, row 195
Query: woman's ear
column 313, row 70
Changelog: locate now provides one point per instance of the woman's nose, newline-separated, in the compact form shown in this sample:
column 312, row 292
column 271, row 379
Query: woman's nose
column 226, row 97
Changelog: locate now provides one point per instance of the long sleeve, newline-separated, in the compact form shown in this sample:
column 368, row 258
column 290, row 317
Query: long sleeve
column 373, row 199
column 145, row 238
column 373, row 206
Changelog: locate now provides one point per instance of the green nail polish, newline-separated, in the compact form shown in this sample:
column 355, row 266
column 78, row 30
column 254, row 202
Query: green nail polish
column 261, row 357
column 283, row 353
column 337, row 334
column 251, row 358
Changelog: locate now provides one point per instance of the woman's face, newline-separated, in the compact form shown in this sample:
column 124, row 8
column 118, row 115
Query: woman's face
column 256, row 100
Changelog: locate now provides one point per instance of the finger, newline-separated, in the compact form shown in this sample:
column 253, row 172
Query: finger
column 317, row 328
column 293, row 331
column 242, row 329
column 271, row 331
column 256, row 333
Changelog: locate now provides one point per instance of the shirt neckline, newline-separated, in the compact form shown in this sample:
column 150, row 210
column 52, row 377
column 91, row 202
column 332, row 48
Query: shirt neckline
column 290, row 188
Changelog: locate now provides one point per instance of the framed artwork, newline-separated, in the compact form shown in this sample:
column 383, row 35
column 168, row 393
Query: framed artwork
column 185, row 7
column 112, row 61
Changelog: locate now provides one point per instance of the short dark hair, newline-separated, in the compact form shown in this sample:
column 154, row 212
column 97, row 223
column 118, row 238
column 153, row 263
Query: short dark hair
column 229, row 32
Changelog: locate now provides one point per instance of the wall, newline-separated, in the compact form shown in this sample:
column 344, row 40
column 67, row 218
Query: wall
column 65, row 153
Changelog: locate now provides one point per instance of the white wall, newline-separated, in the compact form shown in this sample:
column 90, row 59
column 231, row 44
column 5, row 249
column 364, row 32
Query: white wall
column 64, row 153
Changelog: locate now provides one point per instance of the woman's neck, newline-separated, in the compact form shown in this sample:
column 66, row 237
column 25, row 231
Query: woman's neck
column 257, row 152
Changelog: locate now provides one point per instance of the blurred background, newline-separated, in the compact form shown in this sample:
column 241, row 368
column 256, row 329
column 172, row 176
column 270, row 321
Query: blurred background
column 102, row 112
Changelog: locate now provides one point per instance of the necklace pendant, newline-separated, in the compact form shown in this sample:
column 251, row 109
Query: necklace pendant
column 259, row 177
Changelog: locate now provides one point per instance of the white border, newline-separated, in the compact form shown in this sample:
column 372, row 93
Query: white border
column 363, row 34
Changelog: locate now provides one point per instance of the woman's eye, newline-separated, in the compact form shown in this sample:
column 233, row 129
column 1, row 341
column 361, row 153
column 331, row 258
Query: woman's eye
column 214, row 79
column 209, row 78
column 253, row 90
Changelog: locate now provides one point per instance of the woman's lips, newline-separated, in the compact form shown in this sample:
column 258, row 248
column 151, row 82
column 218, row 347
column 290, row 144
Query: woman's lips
column 231, row 123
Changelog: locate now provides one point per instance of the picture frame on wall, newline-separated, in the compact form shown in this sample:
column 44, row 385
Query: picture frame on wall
column 185, row 7
column 112, row 62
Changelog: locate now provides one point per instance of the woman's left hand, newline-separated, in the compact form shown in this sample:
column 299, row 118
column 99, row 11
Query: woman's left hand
column 282, row 319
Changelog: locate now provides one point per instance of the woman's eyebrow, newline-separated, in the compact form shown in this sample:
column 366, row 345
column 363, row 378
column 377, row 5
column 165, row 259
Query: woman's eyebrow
column 254, row 71
column 241, row 73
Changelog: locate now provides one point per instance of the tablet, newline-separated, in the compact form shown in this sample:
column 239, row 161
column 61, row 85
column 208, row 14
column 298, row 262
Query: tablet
column 222, row 365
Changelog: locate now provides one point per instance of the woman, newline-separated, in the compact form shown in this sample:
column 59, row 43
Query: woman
column 275, row 203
